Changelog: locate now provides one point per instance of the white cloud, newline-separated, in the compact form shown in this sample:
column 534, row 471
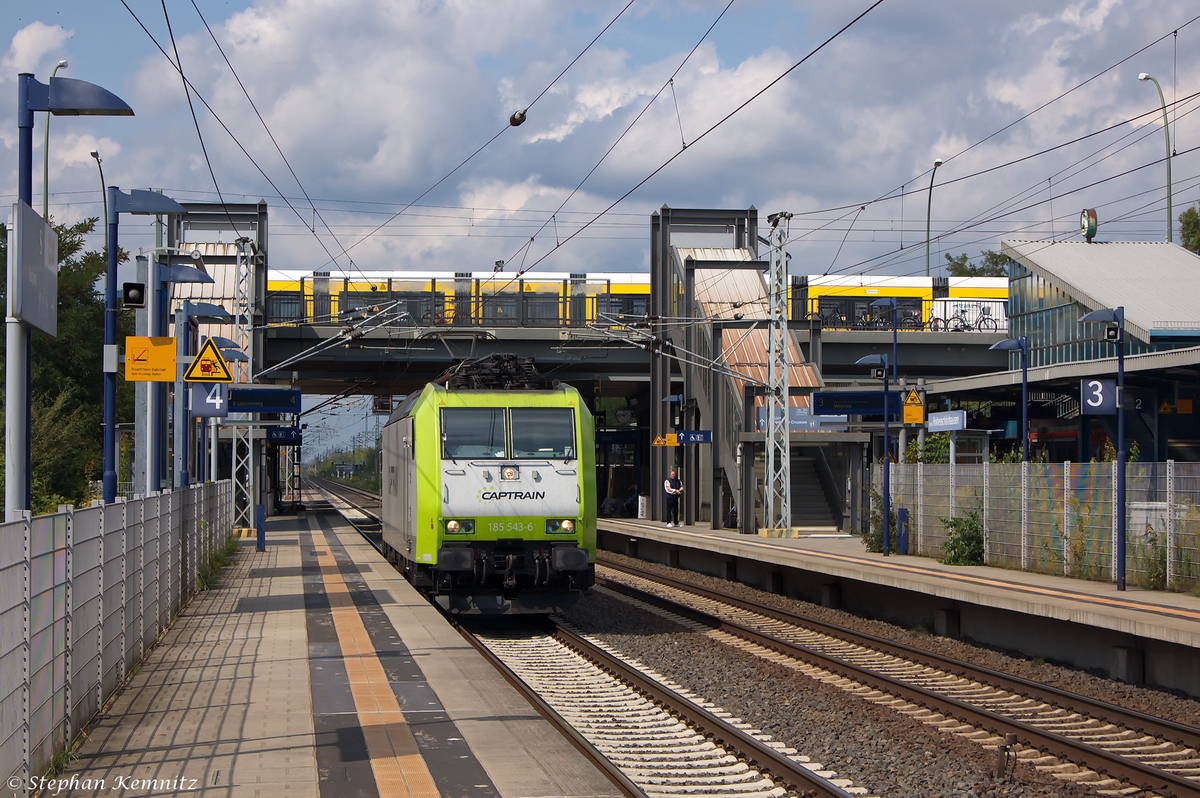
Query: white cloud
column 29, row 46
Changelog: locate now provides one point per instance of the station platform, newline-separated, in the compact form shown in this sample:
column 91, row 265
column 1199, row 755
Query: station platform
column 314, row 669
column 1140, row 636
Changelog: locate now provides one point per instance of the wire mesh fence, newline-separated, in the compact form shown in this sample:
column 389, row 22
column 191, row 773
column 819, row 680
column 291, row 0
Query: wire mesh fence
column 1060, row 518
column 83, row 594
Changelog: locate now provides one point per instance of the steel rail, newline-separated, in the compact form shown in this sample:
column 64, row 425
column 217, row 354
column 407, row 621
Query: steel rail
column 1172, row 731
column 611, row 771
column 758, row 754
column 1143, row 776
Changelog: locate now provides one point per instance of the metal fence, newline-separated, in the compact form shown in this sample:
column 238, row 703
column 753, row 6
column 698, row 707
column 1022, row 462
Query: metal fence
column 1060, row 518
column 83, row 595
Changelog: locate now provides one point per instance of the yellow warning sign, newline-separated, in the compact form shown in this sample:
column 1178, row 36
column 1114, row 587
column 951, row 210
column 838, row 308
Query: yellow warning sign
column 1183, row 407
column 666, row 440
column 913, row 398
column 1164, row 408
column 913, row 414
column 149, row 359
column 208, row 366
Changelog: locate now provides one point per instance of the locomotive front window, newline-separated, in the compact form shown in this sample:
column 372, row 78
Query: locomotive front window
column 547, row 432
column 473, row 433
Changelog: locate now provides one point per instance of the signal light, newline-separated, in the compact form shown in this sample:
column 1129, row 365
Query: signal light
column 133, row 295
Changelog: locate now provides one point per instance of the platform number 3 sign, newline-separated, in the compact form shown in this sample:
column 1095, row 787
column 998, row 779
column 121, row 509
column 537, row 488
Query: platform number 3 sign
column 1098, row 397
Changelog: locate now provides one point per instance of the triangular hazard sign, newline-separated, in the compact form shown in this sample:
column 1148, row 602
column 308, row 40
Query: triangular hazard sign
column 912, row 398
column 659, row 441
column 1164, row 407
column 208, row 366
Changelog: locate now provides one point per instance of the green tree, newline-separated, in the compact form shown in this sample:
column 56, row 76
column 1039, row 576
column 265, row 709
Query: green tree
column 991, row 264
column 66, row 400
column 1189, row 229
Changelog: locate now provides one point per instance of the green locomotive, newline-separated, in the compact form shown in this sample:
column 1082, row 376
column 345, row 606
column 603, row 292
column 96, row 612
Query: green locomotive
column 489, row 494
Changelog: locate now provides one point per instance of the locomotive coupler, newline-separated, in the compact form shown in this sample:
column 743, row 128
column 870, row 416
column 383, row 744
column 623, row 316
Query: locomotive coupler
column 510, row 572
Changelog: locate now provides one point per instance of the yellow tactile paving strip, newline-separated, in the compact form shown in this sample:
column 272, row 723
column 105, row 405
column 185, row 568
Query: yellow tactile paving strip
column 397, row 764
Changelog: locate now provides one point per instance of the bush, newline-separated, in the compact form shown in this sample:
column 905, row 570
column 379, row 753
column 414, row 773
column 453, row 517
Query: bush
column 964, row 539
column 873, row 538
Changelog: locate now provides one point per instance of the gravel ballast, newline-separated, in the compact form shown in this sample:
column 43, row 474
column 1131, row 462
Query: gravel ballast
column 880, row 749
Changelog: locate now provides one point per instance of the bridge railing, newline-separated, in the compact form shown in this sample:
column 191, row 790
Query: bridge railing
column 913, row 313
column 1061, row 518
column 84, row 594
column 446, row 301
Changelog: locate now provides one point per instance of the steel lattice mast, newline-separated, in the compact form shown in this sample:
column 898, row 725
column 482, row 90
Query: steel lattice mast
column 243, row 434
column 779, row 468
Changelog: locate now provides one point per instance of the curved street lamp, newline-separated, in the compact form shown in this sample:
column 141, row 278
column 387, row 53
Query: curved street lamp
column 1167, row 130
column 929, row 210
column 46, row 152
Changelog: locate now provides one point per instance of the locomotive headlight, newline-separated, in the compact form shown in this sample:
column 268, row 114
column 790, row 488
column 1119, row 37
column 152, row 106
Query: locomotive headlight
column 460, row 526
column 509, row 473
column 563, row 527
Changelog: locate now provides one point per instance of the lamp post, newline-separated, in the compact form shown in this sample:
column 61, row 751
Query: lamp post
column 46, row 153
column 137, row 201
column 158, row 274
column 187, row 313
column 929, row 212
column 61, row 97
column 1116, row 317
column 882, row 361
column 890, row 302
column 1166, row 130
column 1021, row 344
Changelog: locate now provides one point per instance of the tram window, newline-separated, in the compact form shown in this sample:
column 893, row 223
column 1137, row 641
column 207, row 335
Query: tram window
column 547, row 432
column 473, row 433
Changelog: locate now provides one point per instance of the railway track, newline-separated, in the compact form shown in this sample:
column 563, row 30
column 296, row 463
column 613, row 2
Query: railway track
column 652, row 737
column 664, row 739
column 1087, row 737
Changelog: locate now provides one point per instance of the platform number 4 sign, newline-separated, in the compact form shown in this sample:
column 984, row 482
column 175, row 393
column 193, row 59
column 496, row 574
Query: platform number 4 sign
column 1098, row 397
column 209, row 400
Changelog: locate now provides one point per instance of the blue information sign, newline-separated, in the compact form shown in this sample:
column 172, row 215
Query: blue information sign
column 694, row 436
column 263, row 400
column 865, row 403
column 1098, row 397
column 284, row 436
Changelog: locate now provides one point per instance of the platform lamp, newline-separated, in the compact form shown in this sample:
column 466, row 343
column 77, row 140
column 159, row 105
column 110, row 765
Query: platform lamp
column 158, row 274
column 61, row 97
column 890, row 302
column 187, row 313
column 232, row 354
column 882, row 362
column 1021, row 344
column 144, row 203
column 1115, row 332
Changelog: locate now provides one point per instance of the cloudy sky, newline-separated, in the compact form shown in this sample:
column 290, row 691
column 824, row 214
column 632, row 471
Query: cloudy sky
column 374, row 103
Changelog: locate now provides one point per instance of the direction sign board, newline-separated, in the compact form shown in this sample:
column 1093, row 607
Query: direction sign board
column 209, row 365
column 263, row 400
column 801, row 419
column 864, row 403
column 694, row 436
column 149, row 359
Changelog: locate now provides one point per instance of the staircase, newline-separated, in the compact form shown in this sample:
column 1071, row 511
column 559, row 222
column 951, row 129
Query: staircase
column 810, row 506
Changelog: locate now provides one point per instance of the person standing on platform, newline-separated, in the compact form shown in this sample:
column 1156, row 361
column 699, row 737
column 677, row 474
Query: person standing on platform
column 673, row 487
